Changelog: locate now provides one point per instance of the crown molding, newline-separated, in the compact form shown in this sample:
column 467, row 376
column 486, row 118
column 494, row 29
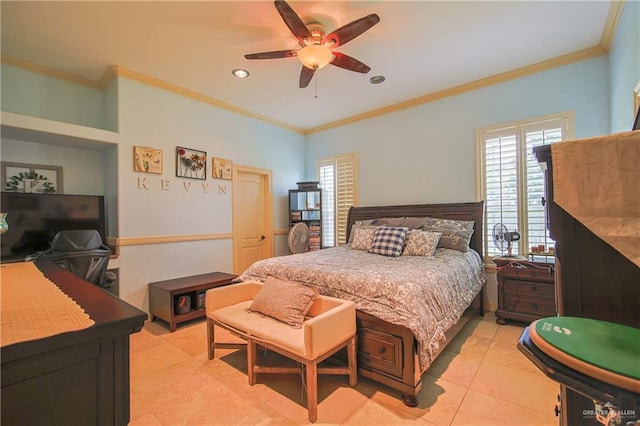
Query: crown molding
column 151, row 81
column 611, row 24
column 615, row 11
column 559, row 61
column 51, row 72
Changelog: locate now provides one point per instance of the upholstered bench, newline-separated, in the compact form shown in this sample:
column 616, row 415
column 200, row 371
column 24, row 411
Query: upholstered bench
column 328, row 326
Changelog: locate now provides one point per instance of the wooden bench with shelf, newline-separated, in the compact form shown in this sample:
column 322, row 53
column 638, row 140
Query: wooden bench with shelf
column 163, row 296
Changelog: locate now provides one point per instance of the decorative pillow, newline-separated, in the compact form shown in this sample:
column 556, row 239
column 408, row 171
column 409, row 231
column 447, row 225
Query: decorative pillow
column 421, row 243
column 438, row 223
column 284, row 300
column 363, row 237
column 457, row 239
column 358, row 224
column 389, row 240
column 408, row 222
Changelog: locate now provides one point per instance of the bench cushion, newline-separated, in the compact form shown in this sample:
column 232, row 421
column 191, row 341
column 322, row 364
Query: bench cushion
column 261, row 326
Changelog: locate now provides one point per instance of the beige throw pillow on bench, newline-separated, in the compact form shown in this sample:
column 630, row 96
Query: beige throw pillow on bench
column 284, row 300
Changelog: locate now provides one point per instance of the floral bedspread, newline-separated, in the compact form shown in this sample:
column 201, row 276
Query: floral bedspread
column 425, row 294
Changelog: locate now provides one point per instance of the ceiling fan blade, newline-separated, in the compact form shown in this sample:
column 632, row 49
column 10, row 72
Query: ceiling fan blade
column 293, row 21
column 306, row 74
column 273, row 55
column 350, row 31
column 348, row 63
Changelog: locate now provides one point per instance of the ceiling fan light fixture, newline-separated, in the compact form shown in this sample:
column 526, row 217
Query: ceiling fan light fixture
column 315, row 56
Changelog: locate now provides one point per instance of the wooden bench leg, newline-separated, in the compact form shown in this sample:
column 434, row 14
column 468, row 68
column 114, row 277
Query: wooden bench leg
column 352, row 357
column 210, row 339
column 312, row 389
column 251, row 361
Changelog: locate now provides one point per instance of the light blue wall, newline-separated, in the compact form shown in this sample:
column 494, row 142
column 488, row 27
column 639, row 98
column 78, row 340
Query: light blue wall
column 624, row 63
column 427, row 153
column 147, row 116
column 170, row 120
column 41, row 96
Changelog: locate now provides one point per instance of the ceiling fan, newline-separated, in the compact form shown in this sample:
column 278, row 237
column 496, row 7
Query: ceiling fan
column 316, row 46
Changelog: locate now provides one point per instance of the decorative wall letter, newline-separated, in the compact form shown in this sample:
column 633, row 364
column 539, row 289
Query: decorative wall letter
column 142, row 183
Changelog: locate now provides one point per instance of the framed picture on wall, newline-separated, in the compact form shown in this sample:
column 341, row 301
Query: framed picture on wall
column 191, row 163
column 25, row 177
column 147, row 160
column 222, row 168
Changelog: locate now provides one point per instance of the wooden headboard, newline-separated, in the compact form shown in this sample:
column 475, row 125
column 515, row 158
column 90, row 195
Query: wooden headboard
column 460, row 211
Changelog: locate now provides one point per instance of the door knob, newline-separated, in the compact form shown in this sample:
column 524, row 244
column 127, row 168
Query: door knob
column 262, row 238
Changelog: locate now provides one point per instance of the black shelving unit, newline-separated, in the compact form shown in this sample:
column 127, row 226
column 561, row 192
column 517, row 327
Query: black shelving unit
column 305, row 205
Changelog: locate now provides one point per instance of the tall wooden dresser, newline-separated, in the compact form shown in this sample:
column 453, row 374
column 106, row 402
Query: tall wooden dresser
column 593, row 280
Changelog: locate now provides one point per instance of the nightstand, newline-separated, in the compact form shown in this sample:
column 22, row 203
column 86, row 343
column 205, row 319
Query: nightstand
column 526, row 289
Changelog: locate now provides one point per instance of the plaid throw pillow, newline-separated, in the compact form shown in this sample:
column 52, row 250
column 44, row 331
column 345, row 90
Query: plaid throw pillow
column 389, row 240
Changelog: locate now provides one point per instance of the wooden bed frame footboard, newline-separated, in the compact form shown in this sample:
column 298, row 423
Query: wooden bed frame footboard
column 387, row 352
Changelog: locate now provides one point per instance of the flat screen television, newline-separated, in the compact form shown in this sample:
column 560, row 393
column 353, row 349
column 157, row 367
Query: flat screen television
column 34, row 219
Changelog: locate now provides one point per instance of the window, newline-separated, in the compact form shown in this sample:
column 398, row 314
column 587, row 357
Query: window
column 511, row 181
column 338, row 176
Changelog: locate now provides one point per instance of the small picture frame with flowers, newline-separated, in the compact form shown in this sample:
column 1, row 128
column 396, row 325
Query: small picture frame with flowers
column 191, row 163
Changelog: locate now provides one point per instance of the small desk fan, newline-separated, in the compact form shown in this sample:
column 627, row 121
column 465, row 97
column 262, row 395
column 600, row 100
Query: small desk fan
column 502, row 238
column 298, row 239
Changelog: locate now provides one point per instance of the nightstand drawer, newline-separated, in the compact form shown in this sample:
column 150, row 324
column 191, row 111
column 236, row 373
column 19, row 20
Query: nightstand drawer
column 539, row 307
column 529, row 288
column 530, row 274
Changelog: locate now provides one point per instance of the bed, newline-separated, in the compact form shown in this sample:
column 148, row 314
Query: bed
column 408, row 307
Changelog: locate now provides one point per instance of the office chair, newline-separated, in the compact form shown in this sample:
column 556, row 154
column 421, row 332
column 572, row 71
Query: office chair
column 82, row 253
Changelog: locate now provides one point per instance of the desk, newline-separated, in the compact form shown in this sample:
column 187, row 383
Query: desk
column 75, row 378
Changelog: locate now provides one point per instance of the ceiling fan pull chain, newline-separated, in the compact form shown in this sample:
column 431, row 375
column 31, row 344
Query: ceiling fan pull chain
column 315, row 82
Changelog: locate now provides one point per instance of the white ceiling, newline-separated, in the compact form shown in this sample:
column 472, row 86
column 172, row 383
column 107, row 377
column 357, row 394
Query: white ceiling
column 421, row 47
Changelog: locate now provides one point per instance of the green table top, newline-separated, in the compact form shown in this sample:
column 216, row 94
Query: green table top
column 609, row 346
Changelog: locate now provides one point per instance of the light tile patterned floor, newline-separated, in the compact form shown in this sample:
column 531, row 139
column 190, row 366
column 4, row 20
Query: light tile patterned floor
column 480, row 379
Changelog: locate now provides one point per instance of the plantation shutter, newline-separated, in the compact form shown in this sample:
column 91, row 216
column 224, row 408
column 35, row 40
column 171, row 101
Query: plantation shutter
column 345, row 193
column 327, row 178
column 501, row 184
column 512, row 182
column 338, row 178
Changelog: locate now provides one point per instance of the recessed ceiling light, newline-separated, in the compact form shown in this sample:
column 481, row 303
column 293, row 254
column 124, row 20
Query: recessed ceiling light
column 240, row 73
column 376, row 79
